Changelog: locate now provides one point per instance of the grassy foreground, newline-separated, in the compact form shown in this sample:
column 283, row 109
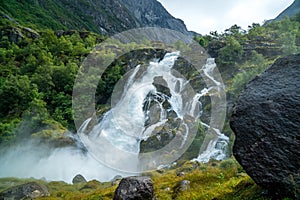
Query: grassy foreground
column 214, row 180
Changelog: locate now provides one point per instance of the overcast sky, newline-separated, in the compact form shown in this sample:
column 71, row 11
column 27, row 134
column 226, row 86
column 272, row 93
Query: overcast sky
column 204, row 16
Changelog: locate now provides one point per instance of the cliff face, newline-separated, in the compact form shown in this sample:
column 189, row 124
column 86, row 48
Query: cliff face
column 108, row 16
column 291, row 11
column 152, row 13
column 101, row 16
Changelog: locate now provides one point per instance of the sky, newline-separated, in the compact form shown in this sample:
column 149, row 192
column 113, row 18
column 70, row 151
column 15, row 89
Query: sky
column 203, row 16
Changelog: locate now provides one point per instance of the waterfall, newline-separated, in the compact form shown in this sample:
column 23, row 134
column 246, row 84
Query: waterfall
column 116, row 139
column 152, row 99
column 215, row 143
column 141, row 109
column 216, row 147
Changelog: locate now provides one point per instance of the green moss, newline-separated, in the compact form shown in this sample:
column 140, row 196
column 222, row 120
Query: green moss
column 208, row 182
column 214, row 180
column 6, row 183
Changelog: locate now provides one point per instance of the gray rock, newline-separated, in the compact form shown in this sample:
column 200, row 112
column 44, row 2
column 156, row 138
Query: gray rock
column 137, row 188
column 180, row 174
column 29, row 190
column 30, row 32
column 266, row 123
column 151, row 13
column 183, row 186
column 117, row 177
column 116, row 180
column 5, row 16
column 161, row 85
column 78, row 179
column 15, row 35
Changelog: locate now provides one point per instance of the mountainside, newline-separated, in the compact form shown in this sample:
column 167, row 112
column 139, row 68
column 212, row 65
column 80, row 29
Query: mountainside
column 100, row 16
column 41, row 58
column 152, row 13
column 291, row 11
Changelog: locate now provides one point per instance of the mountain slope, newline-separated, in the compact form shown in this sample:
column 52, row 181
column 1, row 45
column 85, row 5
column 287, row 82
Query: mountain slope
column 291, row 11
column 152, row 13
column 100, row 16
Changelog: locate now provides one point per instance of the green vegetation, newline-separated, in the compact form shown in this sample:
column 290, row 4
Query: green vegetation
column 54, row 15
column 38, row 70
column 102, row 17
column 37, row 77
column 37, row 74
column 214, row 180
column 242, row 55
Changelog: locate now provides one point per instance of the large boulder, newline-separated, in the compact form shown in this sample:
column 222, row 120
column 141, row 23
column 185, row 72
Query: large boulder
column 135, row 187
column 29, row 190
column 79, row 179
column 266, row 122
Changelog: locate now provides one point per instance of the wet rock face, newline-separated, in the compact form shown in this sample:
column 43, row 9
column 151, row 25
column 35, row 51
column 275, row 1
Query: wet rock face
column 266, row 123
column 137, row 188
column 30, row 190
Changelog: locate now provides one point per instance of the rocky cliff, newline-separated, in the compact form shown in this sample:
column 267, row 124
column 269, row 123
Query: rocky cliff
column 291, row 11
column 100, row 16
column 152, row 13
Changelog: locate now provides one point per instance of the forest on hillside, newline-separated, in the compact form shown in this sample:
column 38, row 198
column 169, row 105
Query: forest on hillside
column 39, row 64
column 38, row 70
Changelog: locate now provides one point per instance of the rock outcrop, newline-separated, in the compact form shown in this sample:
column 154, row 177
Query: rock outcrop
column 181, row 186
column 266, row 123
column 29, row 190
column 78, row 179
column 151, row 13
column 137, row 188
column 17, row 32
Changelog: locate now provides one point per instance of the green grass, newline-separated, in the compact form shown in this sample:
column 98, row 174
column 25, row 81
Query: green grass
column 214, row 180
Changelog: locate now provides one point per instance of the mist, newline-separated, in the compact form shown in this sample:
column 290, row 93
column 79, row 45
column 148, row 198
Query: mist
column 33, row 159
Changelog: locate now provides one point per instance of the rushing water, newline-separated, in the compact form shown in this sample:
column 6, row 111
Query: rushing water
column 115, row 140
column 215, row 144
column 141, row 109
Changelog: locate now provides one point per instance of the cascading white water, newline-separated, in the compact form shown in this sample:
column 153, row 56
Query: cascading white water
column 218, row 142
column 121, row 129
column 116, row 139
column 216, row 148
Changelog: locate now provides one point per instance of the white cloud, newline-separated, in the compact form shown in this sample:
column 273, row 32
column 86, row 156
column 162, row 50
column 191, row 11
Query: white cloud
column 204, row 16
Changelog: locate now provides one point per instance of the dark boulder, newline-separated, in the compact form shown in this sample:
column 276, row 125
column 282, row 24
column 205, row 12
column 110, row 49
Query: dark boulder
column 137, row 188
column 266, row 122
column 161, row 85
column 78, row 179
column 29, row 190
